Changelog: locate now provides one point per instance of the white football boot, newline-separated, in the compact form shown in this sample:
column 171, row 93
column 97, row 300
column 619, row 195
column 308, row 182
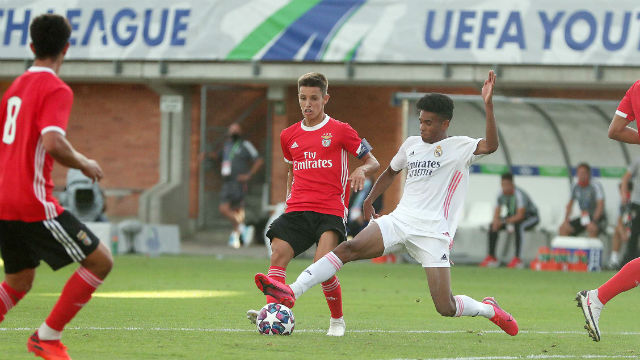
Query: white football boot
column 336, row 327
column 252, row 315
column 591, row 309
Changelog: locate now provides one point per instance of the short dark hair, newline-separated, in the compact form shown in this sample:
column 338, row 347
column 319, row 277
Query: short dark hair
column 314, row 79
column 439, row 104
column 585, row 166
column 507, row 176
column 49, row 34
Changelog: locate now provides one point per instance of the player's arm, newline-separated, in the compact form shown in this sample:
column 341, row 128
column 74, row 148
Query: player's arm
column 489, row 144
column 624, row 187
column 597, row 215
column 382, row 184
column 567, row 211
column 61, row 150
column 618, row 130
column 289, row 179
column 257, row 163
column 359, row 175
column 496, row 222
column 517, row 217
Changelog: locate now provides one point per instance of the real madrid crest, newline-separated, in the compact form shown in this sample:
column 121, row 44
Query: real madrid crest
column 438, row 151
column 326, row 139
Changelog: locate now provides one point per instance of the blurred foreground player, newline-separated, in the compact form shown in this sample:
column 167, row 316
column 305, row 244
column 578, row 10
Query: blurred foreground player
column 592, row 301
column 33, row 226
column 317, row 150
column 425, row 221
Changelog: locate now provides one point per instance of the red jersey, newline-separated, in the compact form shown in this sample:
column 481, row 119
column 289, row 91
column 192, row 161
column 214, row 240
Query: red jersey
column 630, row 104
column 36, row 102
column 319, row 156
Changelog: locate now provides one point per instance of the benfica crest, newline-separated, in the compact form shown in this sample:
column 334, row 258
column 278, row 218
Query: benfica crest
column 326, row 139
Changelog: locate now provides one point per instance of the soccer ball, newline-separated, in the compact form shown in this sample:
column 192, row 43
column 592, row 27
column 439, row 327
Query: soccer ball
column 275, row 319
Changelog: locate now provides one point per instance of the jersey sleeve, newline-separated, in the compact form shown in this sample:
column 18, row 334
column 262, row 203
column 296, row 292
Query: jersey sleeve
column 520, row 203
column 399, row 160
column 599, row 190
column 251, row 149
column 625, row 108
column 468, row 147
column 55, row 111
column 352, row 142
column 284, row 144
column 634, row 167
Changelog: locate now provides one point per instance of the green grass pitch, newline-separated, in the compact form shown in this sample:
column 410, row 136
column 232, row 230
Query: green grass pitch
column 193, row 307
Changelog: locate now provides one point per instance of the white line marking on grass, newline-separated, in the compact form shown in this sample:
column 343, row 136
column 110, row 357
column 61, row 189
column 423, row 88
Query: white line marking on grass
column 536, row 357
column 380, row 331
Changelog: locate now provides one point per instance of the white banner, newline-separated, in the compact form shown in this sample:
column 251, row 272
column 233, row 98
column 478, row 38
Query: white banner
column 569, row 32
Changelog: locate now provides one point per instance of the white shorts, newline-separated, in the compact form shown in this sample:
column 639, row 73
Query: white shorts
column 397, row 236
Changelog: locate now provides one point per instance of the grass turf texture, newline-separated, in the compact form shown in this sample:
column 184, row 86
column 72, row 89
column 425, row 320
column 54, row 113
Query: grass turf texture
column 194, row 308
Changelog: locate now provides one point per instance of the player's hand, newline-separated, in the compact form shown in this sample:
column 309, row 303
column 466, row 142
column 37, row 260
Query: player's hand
column 357, row 179
column 495, row 225
column 487, row 88
column 369, row 211
column 92, row 170
column 243, row 177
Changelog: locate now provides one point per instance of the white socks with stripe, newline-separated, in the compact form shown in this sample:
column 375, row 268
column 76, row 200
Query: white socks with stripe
column 320, row 271
column 466, row 306
column 47, row 333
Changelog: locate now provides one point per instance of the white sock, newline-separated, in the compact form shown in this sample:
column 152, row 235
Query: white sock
column 47, row 333
column 466, row 306
column 595, row 300
column 614, row 257
column 321, row 270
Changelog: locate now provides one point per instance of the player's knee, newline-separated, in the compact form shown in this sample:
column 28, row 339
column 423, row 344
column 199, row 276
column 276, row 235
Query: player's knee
column 22, row 281
column 446, row 308
column 346, row 252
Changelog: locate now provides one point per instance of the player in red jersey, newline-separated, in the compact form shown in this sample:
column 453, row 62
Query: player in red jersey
column 592, row 301
column 33, row 226
column 317, row 150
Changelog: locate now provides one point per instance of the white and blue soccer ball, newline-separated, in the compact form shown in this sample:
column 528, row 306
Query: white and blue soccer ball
column 275, row 319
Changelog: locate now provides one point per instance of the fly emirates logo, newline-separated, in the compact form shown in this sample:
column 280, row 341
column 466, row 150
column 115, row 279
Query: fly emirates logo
column 310, row 162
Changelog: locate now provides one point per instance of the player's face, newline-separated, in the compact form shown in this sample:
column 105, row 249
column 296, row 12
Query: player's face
column 432, row 127
column 583, row 175
column 507, row 187
column 312, row 102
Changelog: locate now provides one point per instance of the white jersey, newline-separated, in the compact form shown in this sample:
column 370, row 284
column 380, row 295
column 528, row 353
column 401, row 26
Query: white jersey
column 436, row 183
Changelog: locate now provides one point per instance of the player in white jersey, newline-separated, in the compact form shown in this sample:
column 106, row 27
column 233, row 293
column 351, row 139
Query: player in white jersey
column 425, row 221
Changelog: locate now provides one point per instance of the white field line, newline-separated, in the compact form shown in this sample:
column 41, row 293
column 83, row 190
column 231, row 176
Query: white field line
column 536, row 357
column 229, row 330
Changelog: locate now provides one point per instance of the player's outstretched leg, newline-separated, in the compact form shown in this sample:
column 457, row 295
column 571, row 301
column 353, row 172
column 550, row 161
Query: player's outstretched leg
column 502, row 318
column 591, row 308
column 279, row 291
column 592, row 301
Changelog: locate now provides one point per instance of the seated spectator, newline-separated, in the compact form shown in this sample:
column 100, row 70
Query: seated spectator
column 515, row 213
column 590, row 197
column 623, row 226
column 356, row 221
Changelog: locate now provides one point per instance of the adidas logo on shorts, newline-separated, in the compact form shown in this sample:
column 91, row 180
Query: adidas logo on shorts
column 444, row 257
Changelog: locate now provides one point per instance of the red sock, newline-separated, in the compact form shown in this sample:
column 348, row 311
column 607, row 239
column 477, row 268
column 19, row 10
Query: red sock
column 279, row 274
column 8, row 298
column 333, row 294
column 75, row 295
column 626, row 279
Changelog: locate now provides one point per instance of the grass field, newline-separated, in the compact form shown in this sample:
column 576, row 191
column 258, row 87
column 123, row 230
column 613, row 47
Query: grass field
column 193, row 307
